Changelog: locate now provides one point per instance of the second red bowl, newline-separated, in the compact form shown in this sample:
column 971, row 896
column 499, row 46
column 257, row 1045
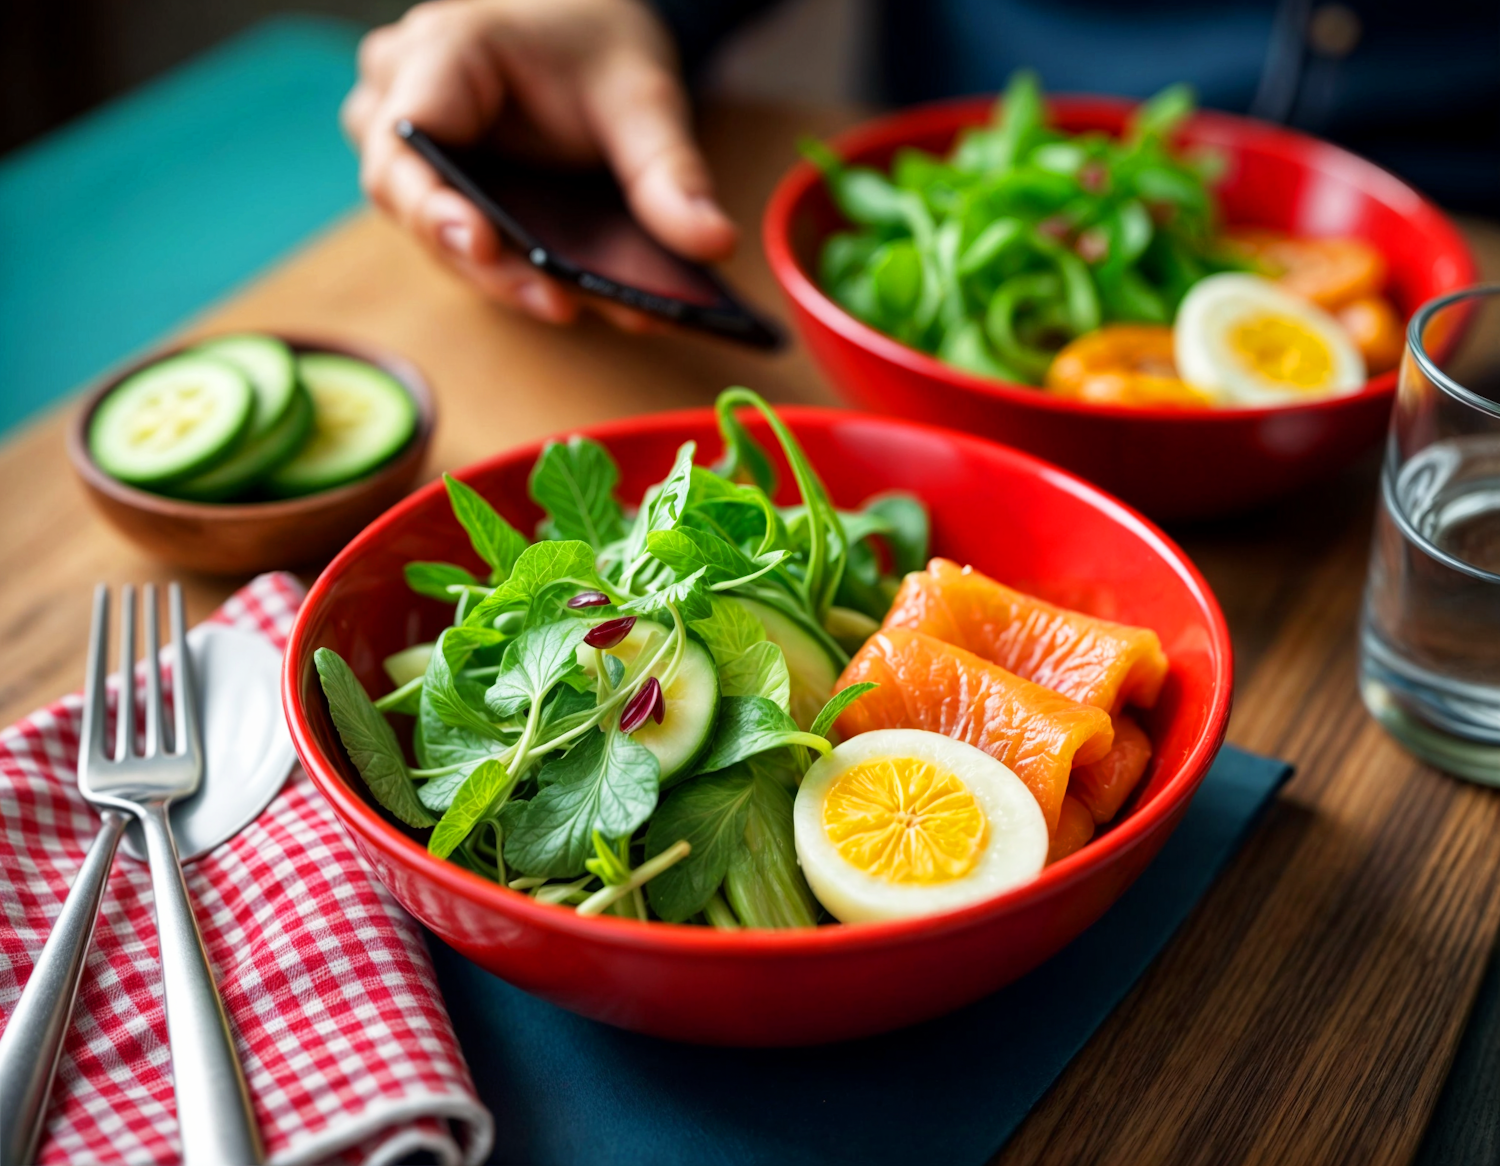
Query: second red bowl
column 1173, row 464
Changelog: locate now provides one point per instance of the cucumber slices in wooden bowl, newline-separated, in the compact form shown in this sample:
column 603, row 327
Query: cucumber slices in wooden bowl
column 249, row 451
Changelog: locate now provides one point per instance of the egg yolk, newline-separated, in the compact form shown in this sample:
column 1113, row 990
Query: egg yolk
column 1283, row 351
column 905, row 820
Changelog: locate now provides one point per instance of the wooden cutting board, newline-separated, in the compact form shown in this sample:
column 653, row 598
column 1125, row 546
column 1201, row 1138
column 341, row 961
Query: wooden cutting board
column 1309, row 1009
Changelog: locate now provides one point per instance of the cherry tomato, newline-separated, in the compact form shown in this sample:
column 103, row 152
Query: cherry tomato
column 1123, row 364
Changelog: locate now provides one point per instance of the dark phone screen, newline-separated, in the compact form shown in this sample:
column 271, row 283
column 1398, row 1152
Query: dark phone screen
column 580, row 217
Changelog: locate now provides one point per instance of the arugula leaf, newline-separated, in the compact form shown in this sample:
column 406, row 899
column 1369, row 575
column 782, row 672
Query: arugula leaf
column 472, row 802
column 434, row 579
column 764, row 883
column 495, row 541
column 575, row 483
column 837, row 703
column 749, row 725
column 686, row 550
column 441, row 686
column 760, row 670
column 728, row 630
column 743, row 456
column 569, row 707
column 823, row 570
column 540, row 566
column 710, row 814
column 368, row 739
column 664, row 504
column 535, row 660
column 689, row 595
column 607, row 782
column 908, row 531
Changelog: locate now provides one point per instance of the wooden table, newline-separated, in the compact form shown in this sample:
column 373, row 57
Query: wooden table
column 1310, row 1008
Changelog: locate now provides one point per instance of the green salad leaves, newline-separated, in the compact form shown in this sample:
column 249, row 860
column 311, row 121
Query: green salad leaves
column 1023, row 237
column 606, row 722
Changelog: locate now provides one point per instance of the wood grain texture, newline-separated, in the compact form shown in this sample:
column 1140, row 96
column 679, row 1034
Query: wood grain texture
column 1310, row 1007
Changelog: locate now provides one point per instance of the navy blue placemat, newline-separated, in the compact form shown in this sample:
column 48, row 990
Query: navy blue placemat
column 566, row 1090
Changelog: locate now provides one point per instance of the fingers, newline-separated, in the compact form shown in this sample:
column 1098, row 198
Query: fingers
column 638, row 111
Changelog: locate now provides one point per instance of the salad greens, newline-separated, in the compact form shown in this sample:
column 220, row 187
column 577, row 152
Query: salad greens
column 607, row 722
column 1023, row 237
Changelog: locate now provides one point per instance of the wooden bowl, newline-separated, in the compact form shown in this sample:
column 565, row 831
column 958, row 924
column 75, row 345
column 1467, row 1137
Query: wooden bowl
column 240, row 538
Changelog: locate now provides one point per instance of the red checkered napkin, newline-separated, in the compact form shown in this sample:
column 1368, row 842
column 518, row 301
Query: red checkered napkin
column 345, row 1041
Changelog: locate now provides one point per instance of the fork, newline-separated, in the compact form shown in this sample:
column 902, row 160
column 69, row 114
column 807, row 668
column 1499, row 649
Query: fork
column 214, row 1117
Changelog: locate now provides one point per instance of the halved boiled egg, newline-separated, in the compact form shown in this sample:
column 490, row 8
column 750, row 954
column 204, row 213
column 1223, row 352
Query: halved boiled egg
column 902, row 822
column 1247, row 342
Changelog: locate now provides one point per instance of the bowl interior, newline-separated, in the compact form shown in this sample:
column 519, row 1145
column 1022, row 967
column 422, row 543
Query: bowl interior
column 1274, row 178
column 1006, row 513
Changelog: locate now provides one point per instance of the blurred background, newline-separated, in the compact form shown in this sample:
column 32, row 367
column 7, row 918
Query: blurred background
column 59, row 58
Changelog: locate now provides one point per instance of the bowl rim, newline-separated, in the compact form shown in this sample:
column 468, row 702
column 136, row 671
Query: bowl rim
column 406, row 373
column 360, row 817
column 1227, row 131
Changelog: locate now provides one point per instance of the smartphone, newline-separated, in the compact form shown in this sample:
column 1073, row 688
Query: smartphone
column 575, row 226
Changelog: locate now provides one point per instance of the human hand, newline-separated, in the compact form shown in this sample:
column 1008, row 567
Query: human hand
column 575, row 81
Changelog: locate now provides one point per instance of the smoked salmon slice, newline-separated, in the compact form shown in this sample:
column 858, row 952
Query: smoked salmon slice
column 1075, row 826
column 1103, row 786
column 1094, row 661
column 927, row 684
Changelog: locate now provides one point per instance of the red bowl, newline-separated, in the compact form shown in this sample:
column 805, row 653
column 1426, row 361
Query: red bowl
column 1172, row 464
column 1008, row 514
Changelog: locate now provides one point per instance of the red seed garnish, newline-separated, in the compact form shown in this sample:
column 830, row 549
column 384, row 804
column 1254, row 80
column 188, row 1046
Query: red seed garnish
column 610, row 632
column 659, row 709
column 1092, row 245
column 588, row 599
column 1057, row 227
column 642, row 706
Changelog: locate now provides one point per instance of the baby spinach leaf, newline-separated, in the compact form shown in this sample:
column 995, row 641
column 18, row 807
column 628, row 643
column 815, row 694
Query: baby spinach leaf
column 763, row 882
column 369, row 739
column 689, row 596
column 438, row 793
column 908, row 530
column 569, row 707
column 441, row 686
column 760, row 670
column 749, row 725
column 438, row 744
column 575, row 483
column 534, row 661
column 709, row 813
column 837, row 703
column 495, row 541
column 607, row 782
column 434, row 579
column 539, row 566
column 728, row 630
column 485, row 784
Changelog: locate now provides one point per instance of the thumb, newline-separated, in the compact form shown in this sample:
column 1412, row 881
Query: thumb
column 638, row 112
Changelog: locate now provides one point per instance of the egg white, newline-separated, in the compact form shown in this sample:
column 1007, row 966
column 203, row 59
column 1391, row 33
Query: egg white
column 1206, row 359
column 1015, row 848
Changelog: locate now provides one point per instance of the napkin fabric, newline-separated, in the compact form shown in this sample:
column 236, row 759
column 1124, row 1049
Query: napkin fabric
column 566, row 1090
column 345, row 1041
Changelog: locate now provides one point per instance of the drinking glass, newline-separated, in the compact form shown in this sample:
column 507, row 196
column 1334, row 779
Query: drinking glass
column 1429, row 666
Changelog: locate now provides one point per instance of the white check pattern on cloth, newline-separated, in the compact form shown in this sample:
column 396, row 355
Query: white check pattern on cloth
column 346, row 1043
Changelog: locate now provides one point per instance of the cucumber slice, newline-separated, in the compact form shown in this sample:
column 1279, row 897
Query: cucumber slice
column 256, row 458
column 692, row 698
column 406, row 665
column 171, row 420
column 272, row 370
column 813, row 670
column 361, row 417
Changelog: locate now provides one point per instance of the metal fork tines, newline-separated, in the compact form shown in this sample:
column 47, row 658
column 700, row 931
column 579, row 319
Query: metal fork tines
column 130, row 780
column 213, row 1107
